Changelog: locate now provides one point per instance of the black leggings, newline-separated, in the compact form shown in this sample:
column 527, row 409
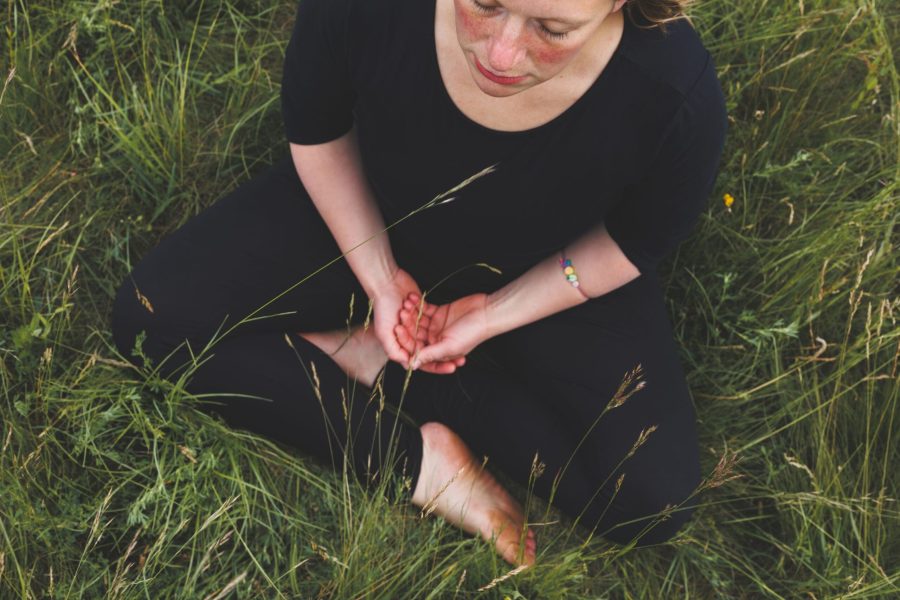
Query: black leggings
column 536, row 390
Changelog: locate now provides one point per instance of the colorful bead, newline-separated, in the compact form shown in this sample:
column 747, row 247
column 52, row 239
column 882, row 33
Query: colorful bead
column 569, row 273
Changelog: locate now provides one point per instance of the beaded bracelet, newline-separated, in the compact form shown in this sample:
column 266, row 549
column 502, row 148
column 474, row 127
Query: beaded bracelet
column 569, row 273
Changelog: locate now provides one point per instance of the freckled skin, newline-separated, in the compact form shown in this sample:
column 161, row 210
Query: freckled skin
column 553, row 55
column 471, row 25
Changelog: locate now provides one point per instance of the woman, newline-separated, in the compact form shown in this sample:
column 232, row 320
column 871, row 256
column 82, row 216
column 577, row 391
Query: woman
column 604, row 132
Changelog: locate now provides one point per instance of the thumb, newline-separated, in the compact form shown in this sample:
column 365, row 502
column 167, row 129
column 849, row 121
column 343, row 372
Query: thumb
column 392, row 347
column 432, row 353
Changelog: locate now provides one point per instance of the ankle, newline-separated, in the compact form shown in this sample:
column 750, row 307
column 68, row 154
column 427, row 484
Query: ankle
column 327, row 341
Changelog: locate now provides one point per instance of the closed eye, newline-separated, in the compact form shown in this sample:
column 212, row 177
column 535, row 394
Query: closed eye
column 485, row 9
column 556, row 35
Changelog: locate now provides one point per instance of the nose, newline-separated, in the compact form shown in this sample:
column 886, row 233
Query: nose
column 506, row 46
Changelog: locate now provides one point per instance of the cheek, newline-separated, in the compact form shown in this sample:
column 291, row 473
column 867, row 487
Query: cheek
column 471, row 26
column 551, row 55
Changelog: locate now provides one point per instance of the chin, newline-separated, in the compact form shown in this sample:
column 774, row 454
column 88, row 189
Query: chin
column 500, row 91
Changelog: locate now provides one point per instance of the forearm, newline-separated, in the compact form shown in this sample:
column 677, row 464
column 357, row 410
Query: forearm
column 543, row 290
column 332, row 174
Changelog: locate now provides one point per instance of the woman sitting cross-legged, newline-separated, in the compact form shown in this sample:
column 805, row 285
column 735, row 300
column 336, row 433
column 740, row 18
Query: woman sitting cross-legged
column 604, row 123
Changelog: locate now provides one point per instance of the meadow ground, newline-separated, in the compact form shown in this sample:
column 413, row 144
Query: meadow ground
column 120, row 120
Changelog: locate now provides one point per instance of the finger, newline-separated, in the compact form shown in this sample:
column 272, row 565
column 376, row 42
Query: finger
column 439, row 368
column 411, row 316
column 405, row 340
column 415, row 324
column 433, row 353
column 427, row 308
column 409, row 343
column 399, row 355
column 415, row 303
column 459, row 361
column 392, row 347
column 444, row 367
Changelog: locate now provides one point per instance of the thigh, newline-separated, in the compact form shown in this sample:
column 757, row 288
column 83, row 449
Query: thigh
column 583, row 358
column 609, row 371
column 500, row 417
column 257, row 257
column 586, row 396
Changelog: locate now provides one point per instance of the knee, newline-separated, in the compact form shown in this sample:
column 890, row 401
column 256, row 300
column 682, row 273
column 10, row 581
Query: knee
column 650, row 511
column 652, row 520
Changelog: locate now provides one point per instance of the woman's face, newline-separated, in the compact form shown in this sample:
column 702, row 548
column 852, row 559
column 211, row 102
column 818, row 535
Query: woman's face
column 513, row 45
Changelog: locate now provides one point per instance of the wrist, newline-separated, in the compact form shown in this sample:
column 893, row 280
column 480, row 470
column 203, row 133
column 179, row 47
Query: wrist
column 569, row 273
column 375, row 272
column 541, row 291
column 498, row 308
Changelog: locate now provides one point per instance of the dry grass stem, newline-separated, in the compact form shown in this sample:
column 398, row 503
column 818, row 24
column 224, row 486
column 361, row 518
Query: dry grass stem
column 210, row 553
column 459, row 583
column 537, row 467
column 145, row 302
column 724, row 470
column 188, row 453
column 642, row 438
column 624, row 393
column 96, row 530
column 503, row 578
column 219, row 512
column 431, row 504
column 228, row 588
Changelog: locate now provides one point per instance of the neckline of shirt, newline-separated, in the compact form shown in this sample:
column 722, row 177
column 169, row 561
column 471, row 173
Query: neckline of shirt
column 435, row 68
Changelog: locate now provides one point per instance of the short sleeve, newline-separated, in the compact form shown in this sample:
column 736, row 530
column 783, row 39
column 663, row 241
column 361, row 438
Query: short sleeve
column 317, row 97
column 661, row 209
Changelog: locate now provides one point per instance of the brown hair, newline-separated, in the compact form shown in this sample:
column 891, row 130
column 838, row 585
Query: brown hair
column 656, row 12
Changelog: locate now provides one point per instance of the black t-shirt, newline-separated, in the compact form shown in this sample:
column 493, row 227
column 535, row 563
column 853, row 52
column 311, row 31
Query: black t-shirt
column 639, row 150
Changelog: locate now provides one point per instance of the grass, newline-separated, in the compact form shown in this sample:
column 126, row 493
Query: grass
column 118, row 121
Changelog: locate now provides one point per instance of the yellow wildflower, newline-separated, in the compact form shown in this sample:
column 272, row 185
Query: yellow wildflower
column 728, row 199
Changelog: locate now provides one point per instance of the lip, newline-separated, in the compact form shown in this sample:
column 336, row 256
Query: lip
column 498, row 78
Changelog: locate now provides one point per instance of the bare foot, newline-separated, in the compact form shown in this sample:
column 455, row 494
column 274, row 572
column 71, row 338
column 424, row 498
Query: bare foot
column 360, row 356
column 454, row 485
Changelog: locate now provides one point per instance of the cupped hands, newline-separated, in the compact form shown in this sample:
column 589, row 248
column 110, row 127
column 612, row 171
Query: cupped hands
column 388, row 300
column 438, row 337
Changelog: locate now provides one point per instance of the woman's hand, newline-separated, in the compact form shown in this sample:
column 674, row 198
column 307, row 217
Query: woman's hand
column 445, row 333
column 387, row 301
